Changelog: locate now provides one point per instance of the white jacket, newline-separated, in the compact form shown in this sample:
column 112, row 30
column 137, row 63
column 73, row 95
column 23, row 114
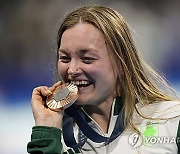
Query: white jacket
column 158, row 136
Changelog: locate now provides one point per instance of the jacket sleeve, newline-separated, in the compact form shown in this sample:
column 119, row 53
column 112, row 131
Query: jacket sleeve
column 45, row 140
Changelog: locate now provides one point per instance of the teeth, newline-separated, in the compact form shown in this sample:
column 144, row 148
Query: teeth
column 80, row 82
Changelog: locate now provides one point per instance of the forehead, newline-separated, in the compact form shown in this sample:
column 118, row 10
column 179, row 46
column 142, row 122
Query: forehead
column 83, row 28
column 82, row 33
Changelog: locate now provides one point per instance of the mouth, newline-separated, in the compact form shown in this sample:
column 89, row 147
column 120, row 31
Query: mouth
column 82, row 83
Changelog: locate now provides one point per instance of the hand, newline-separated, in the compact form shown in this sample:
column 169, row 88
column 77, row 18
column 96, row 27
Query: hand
column 43, row 116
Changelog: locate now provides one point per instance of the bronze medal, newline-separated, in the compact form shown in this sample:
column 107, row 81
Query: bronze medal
column 62, row 97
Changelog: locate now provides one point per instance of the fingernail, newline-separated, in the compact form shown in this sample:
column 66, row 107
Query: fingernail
column 48, row 92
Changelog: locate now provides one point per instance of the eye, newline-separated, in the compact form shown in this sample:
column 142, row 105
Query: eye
column 88, row 60
column 64, row 59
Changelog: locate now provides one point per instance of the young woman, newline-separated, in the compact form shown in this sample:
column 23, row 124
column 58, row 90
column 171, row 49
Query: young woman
column 119, row 108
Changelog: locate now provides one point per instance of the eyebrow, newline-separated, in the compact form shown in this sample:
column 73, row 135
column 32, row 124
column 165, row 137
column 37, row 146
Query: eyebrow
column 63, row 51
column 80, row 52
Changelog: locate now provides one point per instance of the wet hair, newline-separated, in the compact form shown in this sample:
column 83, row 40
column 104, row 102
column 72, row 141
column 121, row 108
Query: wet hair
column 136, row 80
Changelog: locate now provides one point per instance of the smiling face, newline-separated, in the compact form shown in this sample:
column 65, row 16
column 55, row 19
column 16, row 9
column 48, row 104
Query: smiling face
column 84, row 60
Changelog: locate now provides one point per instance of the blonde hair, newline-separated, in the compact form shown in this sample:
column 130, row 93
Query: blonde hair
column 136, row 83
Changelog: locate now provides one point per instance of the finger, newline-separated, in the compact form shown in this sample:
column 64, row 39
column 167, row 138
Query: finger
column 57, row 84
column 48, row 92
column 42, row 91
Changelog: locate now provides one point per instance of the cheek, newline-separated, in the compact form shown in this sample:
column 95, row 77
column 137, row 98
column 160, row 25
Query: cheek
column 94, row 70
column 106, row 70
column 62, row 70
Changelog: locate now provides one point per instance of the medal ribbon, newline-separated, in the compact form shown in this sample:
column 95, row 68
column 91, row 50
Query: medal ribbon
column 74, row 114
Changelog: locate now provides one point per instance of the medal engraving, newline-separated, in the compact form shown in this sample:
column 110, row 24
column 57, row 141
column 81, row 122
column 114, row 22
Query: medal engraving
column 61, row 94
column 62, row 97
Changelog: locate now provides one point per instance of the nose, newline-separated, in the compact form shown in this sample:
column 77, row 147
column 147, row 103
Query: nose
column 74, row 69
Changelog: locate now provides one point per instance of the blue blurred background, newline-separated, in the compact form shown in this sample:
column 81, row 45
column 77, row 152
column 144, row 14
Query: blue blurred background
column 27, row 52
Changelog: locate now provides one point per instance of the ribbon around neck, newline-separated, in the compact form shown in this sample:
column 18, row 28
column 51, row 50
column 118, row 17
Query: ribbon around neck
column 74, row 115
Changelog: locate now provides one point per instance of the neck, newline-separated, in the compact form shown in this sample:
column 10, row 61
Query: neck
column 100, row 113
